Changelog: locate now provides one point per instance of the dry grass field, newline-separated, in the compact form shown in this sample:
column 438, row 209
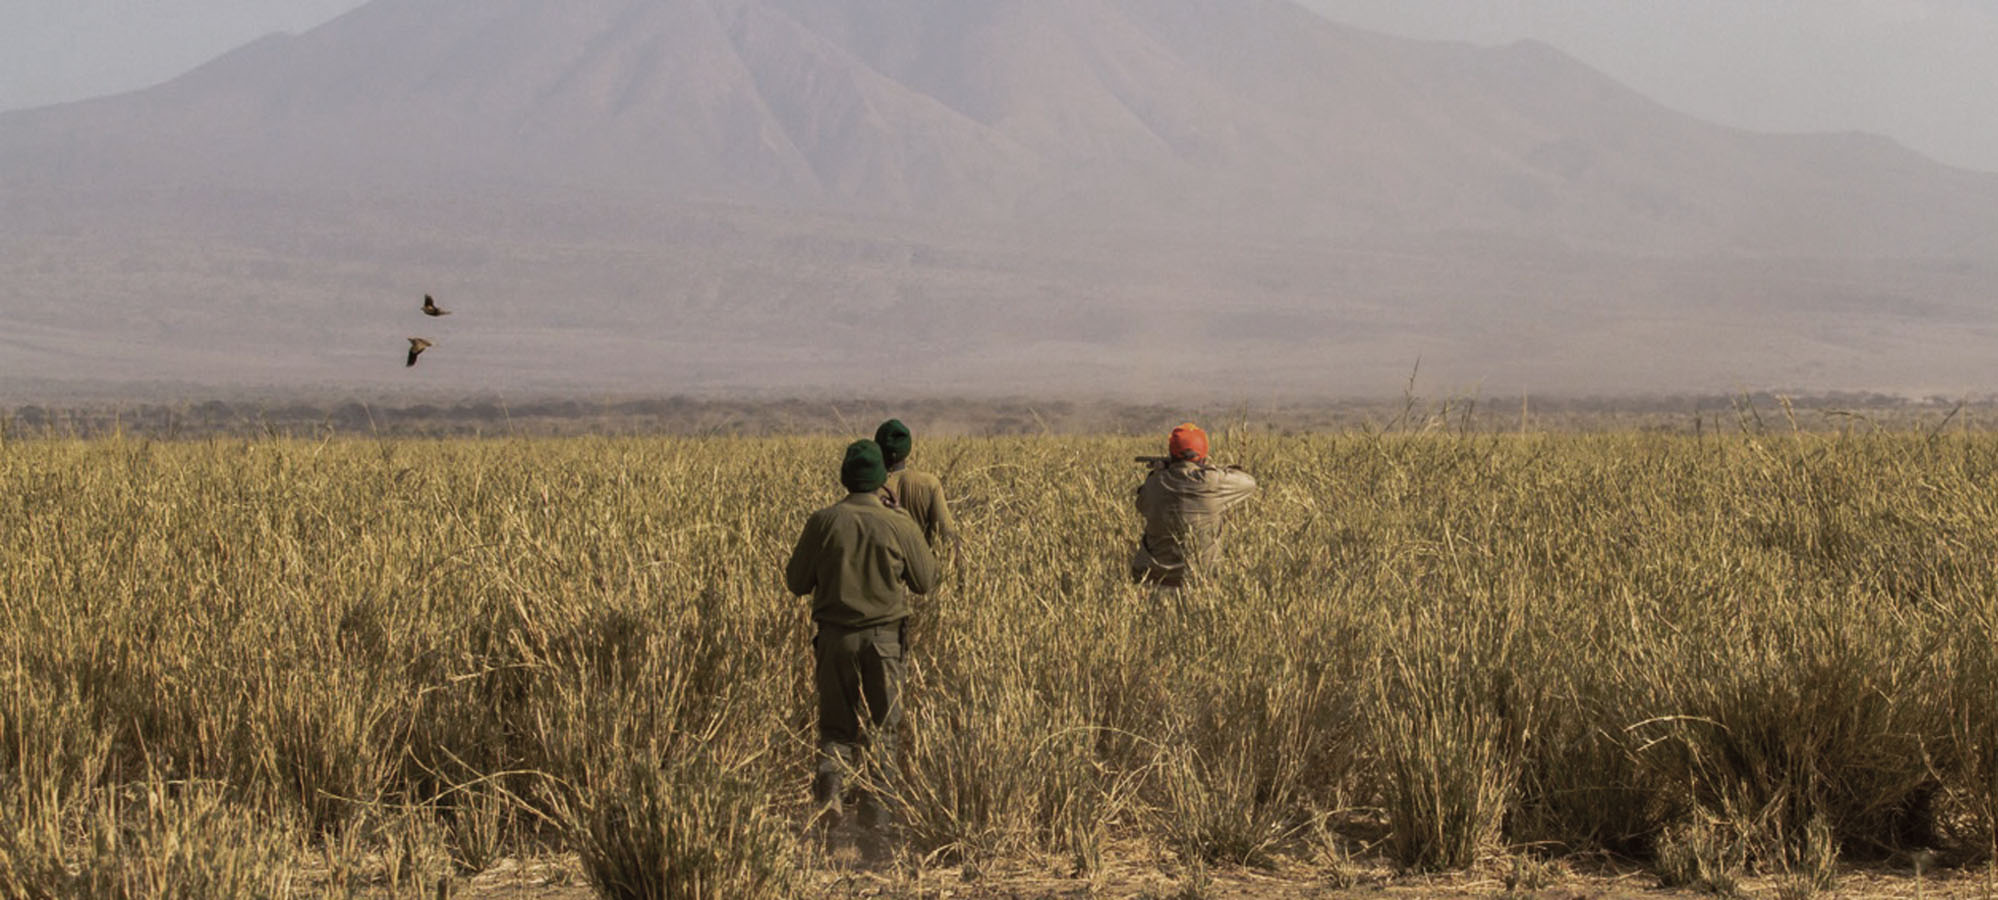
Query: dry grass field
column 1752, row 663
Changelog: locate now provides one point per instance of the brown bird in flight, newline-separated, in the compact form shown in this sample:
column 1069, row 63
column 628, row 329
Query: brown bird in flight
column 430, row 307
column 416, row 348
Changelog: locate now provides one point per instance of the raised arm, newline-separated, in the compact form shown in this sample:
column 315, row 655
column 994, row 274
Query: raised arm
column 1234, row 486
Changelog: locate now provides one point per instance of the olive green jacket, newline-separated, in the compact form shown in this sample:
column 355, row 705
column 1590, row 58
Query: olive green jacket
column 859, row 560
column 1183, row 504
column 921, row 495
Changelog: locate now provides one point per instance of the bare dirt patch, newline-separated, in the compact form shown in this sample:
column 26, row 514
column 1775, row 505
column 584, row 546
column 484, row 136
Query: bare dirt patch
column 1137, row 873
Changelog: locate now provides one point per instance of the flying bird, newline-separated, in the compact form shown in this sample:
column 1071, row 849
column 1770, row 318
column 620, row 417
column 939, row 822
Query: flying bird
column 430, row 307
column 416, row 347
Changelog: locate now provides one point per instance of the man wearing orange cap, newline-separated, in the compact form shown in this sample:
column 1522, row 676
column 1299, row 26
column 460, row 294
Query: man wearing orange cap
column 1183, row 502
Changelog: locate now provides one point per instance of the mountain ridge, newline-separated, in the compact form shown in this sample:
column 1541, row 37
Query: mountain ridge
column 1088, row 110
column 907, row 167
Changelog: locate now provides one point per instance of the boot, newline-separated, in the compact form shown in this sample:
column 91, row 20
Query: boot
column 826, row 788
column 878, row 836
column 876, row 814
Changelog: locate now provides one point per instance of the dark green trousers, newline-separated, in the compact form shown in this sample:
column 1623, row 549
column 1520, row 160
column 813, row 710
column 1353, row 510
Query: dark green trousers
column 859, row 674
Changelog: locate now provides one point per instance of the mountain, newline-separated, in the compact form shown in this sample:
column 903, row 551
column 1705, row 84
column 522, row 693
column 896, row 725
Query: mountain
column 781, row 183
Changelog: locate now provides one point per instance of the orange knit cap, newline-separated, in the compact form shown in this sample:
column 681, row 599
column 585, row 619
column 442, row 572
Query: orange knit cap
column 1188, row 442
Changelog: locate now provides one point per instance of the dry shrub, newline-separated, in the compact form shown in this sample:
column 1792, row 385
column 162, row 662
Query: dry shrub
column 177, row 841
column 1810, row 862
column 1817, row 732
column 1972, row 745
column 693, row 830
column 1704, row 854
column 476, row 826
column 326, row 742
column 972, row 771
column 1446, row 733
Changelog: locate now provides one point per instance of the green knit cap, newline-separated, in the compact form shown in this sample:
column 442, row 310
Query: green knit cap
column 893, row 436
column 863, row 471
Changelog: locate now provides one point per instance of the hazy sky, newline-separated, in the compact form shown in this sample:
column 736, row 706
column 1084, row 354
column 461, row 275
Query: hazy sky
column 1921, row 71
column 53, row 51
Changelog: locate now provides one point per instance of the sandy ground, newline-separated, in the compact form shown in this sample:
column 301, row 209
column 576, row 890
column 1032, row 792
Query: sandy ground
column 1136, row 873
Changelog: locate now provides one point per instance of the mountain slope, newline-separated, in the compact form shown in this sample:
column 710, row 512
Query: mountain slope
column 1248, row 112
column 773, row 183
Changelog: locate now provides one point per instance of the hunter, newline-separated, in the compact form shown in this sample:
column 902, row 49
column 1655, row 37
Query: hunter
column 1183, row 502
column 919, row 494
column 859, row 560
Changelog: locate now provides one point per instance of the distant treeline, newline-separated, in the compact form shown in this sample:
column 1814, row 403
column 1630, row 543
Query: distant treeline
column 680, row 415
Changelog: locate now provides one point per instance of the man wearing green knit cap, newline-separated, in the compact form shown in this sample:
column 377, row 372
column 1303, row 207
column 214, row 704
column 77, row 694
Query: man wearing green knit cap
column 859, row 560
column 919, row 494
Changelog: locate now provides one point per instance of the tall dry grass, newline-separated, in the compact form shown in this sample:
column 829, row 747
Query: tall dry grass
column 405, row 659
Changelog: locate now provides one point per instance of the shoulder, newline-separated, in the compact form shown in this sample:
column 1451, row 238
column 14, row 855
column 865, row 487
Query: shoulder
column 895, row 521
column 855, row 507
column 1220, row 476
column 1229, row 475
column 921, row 479
column 876, row 511
column 819, row 527
column 1231, row 482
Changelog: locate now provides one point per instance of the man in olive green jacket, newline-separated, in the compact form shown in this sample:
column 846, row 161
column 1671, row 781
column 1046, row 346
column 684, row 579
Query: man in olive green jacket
column 859, row 559
column 1183, row 502
column 919, row 494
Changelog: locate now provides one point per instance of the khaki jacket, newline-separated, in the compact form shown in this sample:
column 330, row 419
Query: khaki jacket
column 859, row 560
column 921, row 495
column 1183, row 504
